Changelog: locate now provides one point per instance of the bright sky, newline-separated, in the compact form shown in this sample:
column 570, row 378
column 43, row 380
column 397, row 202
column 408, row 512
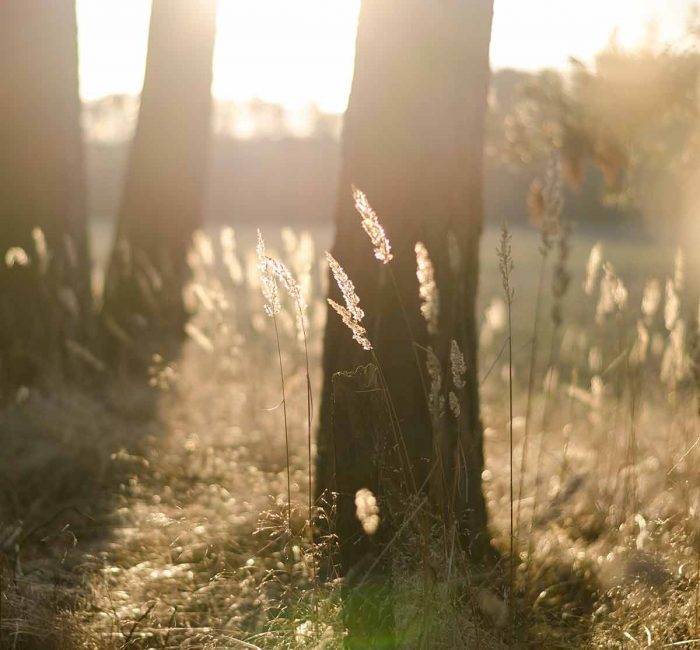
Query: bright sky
column 295, row 52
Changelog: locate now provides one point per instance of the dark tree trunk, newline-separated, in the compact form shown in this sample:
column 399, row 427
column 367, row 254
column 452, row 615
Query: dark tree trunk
column 47, row 301
column 166, row 175
column 413, row 141
column 363, row 457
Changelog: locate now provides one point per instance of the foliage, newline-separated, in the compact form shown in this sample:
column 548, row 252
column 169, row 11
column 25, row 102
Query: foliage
column 633, row 113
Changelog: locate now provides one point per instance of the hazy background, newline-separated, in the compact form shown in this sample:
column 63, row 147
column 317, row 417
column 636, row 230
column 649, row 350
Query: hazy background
column 279, row 103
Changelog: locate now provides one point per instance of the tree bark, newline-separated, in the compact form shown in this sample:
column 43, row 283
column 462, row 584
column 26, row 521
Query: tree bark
column 166, row 175
column 413, row 142
column 364, row 458
column 46, row 301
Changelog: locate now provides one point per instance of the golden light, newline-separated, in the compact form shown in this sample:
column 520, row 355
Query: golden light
column 291, row 52
column 296, row 52
column 286, row 51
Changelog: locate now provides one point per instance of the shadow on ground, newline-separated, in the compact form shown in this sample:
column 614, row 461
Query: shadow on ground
column 67, row 453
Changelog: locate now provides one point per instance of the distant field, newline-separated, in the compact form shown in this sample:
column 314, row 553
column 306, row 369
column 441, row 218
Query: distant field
column 636, row 260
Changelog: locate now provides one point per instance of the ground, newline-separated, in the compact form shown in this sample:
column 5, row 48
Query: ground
column 151, row 512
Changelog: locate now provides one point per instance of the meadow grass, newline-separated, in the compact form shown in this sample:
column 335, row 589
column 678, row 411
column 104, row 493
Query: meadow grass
column 157, row 515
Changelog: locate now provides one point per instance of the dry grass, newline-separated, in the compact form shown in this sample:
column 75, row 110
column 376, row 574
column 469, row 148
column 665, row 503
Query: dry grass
column 155, row 516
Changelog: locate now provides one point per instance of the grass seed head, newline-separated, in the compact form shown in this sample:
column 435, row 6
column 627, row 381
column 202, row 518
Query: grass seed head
column 453, row 401
column 505, row 261
column 457, row 365
column 371, row 225
column 367, row 510
column 436, row 401
column 651, row 298
column 16, row 256
column 593, row 266
column 267, row 280
column 359, row 333
column 672, row 306
column 427, row 288
column 347, row 288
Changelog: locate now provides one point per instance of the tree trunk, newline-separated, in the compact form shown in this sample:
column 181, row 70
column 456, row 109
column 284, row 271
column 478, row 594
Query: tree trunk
column 166, row 175
column 363, row 458
column 47, row 301
column 413, row 141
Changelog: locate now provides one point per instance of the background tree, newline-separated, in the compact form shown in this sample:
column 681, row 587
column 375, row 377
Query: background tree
column 166, row 175
column 46, row 301
column 634, row 115
column 413, row 142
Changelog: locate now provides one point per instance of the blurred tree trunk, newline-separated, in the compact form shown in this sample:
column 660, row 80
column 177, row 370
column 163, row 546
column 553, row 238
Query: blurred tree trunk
column 47, row 301
column 166, row 175
column 413, row 141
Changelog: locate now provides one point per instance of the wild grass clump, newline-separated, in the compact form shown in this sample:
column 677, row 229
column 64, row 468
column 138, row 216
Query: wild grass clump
column 175, row 510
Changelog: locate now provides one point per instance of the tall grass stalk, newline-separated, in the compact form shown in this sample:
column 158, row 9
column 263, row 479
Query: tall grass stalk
column 545, row 204
column 272, row 308
column 695, row 368
column 407, row 322
column 530, row 392
column 353, row 314
column 309, row 420
column 425, row 288
column 696, row 627
column 428, row 291
column 399, row 439
column 631, row 489
column 551, row 362
column 286, row 427
column 283, row 274
column 382, row 252
column 506, row 267
column 560, row 284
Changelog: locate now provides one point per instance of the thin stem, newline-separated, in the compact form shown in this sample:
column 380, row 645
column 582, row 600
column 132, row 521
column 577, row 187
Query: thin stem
column 696, row 627
column 410, row 331
column 286, row 428
column 630, row 496
column 540, row 446
column 309, row 418
column 506, row 267
column 407, row 322
column 510, row 411
column 530, row 391
column 396, row 427
column 567, row 440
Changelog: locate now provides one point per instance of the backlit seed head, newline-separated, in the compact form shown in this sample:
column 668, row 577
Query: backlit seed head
column 427, row 288
column 359, row 333
column 367, row 510
column 371, row 225
column 457, row 365
column 16, row 256
column 347, row 288
column 267, row 280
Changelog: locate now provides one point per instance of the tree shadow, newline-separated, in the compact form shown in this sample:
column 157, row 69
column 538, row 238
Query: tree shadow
column 68, row 454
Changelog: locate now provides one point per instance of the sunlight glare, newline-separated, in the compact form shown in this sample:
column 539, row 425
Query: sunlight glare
column 298, row 52
column 286, row 52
